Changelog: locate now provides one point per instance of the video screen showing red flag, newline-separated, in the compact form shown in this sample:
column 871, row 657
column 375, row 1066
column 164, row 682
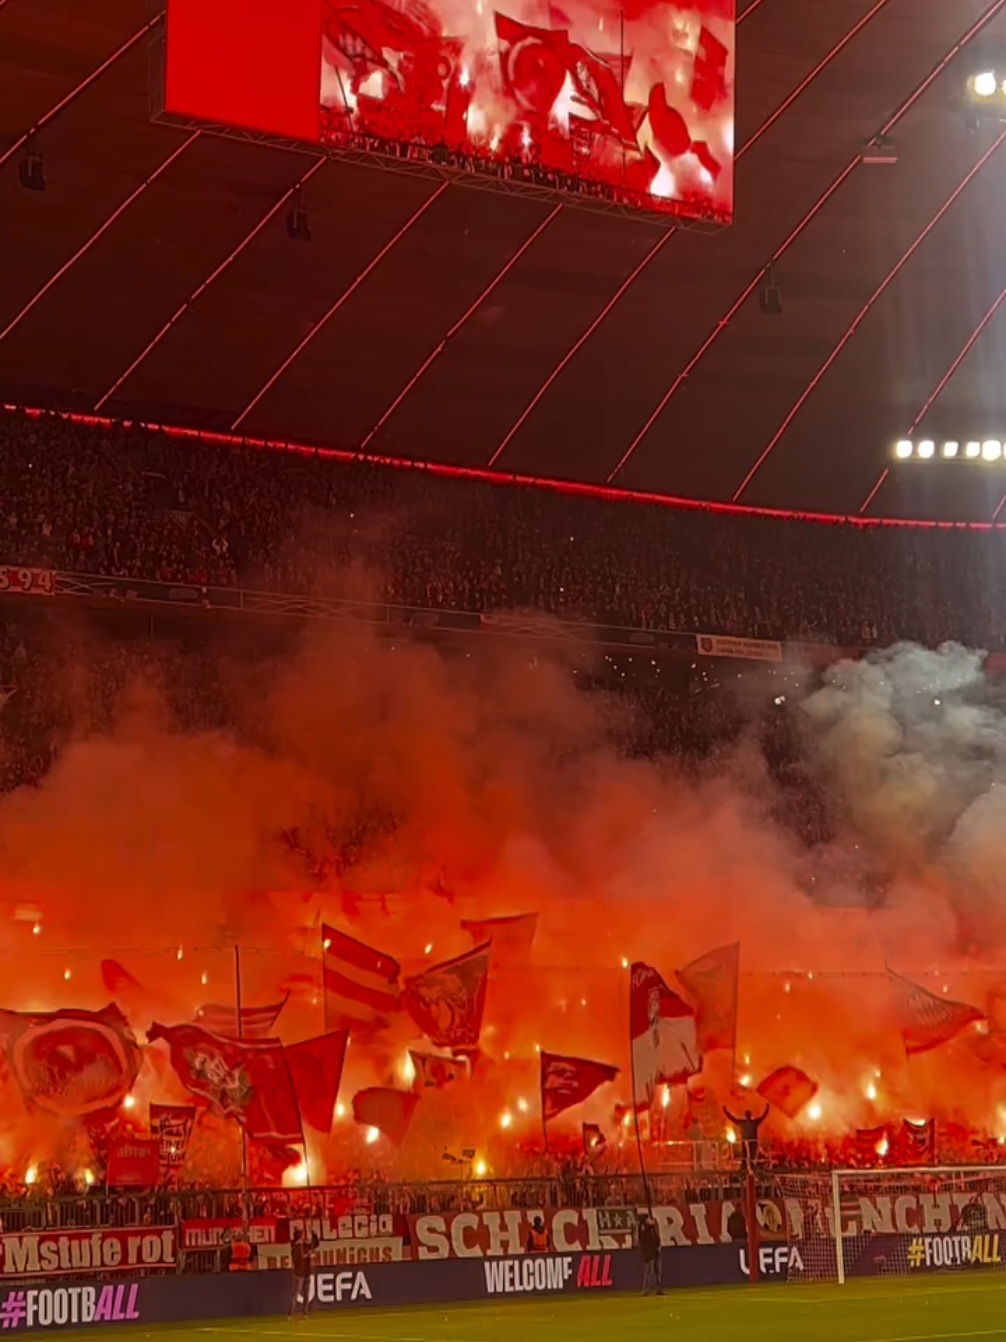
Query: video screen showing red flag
column 629, row 104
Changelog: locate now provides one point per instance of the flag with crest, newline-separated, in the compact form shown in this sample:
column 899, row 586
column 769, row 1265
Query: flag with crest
column 447, row 1001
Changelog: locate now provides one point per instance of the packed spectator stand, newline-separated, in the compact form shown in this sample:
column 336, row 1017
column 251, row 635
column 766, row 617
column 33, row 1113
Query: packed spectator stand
column 142, row 504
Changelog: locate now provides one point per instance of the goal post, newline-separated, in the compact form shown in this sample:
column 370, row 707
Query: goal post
column 848, row 1223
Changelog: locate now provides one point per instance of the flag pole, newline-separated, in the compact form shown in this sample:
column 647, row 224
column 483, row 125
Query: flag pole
column 541, row 1098
column 324, row 994
column 244, row 1134
column 635, row 1106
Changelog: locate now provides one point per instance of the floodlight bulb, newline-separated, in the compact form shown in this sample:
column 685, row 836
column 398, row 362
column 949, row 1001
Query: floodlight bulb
column 951, row 449
column 973, row 449
column 903, row 449
column 986, row 84
column 992, row 449
column 372, row 1135
column 814, row 1112
column 926, row 448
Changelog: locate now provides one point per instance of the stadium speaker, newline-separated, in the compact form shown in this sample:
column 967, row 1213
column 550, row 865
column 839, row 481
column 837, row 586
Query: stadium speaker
column 31, row 169
column 770, row 295
column 298, row 225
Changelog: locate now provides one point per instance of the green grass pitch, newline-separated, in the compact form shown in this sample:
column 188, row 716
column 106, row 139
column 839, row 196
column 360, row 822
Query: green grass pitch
column 936, row 1309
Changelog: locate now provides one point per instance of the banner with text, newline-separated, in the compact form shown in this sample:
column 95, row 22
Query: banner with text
column 53, row 1252
column 740, row 649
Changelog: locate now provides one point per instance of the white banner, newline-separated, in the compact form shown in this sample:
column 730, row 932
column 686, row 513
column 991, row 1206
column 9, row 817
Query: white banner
column 743, row 649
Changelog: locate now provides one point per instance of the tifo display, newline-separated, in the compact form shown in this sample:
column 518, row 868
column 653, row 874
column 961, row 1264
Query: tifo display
column 632, row 104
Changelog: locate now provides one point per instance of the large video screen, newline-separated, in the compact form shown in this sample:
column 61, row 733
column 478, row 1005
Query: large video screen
column 629, row 104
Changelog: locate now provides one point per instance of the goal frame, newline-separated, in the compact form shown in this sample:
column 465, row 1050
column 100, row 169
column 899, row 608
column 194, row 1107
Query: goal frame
column 894, row 1171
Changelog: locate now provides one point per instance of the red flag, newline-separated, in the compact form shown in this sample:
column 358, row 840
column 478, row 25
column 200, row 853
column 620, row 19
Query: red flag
column 389, row 1111
column 665, row 1048
column 133, row 1162
column 709, row 73
column 316, row 1070
column 788, row 1089
column 534, row 63
column 711, row 983
column 599, row 88
column 361, row 984
column 511, row 937
column 995, row 1008
column 433, row 1071
column 171, row 1126
column 447, row 1001
column 918, row 1138
column 255, row 1023
column 594, row 1140
column 72, row 1062
column 248, row 1081
column 569, row 1081
column 668, row 125
column 118, row 980
column 871, row 1142
column 927, row 1021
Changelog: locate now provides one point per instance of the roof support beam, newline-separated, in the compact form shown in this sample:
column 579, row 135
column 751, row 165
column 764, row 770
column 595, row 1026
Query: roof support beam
column 659, row 244
column 343, row 297
column 861, row 316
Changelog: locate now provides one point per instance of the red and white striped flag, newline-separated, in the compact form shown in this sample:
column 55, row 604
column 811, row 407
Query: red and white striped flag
column 256, row 1022
column 361, row 984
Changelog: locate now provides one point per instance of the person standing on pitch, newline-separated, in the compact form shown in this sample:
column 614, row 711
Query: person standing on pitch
column 302, row 1248
column 649, row 1247
column 748, row 1128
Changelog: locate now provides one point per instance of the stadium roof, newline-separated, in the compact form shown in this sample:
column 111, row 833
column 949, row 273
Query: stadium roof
column 154, row 277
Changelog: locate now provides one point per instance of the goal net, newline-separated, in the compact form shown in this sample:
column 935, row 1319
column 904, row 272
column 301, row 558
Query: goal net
column 892, row 1222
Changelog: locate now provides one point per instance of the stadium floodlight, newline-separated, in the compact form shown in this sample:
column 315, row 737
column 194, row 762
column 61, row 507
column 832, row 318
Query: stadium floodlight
column 992, row 449
column 973, row 450
column 985, row 84
column 926, row 448
column 951, row 449
column 903, row 449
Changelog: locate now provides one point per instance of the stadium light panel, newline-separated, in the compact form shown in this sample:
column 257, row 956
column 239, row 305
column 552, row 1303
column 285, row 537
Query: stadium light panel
column 926, row 448
column 985, row 84
column 903, row 449
column 951, row 449
column 992, row 449
column 973, row 450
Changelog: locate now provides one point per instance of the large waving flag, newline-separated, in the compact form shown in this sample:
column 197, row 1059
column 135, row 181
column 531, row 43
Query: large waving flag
column 447, row 1001
column 711, row 983
column 389, row 1111
column 511, row 936
column 316, row 1070
column 789, row 1089
column 434, row 1071
column 72, row 1063
column 254, row 1022
column 568, row 1081
column 249, row 1081
column 662, row 1029
column 361, row 984
column 926, row 1020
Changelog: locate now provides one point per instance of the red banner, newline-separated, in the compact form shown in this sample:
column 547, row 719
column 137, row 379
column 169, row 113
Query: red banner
column 54, row 1252
column 134, row 1162
column 211, row 1232
column 171, row 1126
column 37, row 581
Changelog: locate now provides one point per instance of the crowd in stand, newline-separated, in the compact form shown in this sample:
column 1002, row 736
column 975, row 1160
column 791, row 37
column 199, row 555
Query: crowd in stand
column 138, row 504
